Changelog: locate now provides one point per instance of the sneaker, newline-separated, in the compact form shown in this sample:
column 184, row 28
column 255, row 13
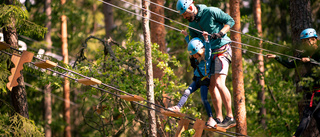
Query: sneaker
column 217, row 120
column 174, row 108
column 227, row 123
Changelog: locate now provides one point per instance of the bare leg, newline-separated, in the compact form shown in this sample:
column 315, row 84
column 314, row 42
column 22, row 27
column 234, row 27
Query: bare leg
column 220, row 80
column 216, row 98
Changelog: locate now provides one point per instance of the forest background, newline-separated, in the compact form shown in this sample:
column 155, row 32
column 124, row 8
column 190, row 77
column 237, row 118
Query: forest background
column 120, row 62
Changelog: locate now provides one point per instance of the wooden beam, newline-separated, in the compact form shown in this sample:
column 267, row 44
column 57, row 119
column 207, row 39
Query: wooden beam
column 131, row 98
column 4, row 46
column 198, row 127
column 91, row 81
column 217, row 128
column 182, row 126
column 172, row 114
column 45, row 64
column 18, row 61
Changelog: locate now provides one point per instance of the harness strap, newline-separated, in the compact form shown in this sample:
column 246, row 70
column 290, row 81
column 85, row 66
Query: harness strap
column 220, row 53
column 311, row 101
column 205, row 69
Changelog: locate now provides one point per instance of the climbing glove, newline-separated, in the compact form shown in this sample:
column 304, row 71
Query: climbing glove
column 217, row 35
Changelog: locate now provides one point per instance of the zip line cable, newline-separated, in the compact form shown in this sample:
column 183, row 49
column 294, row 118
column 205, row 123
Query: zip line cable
column 65, row 75
column 138, row 15
column 36, row 88
column 208, row 34
column 162, row 6
column 267, row 41
column 188, row 26
column 202, row 31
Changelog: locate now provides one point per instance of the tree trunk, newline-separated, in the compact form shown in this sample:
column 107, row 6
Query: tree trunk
column 158, row 34
column 260, row 75
column 47, row 37
column 227, row 4
column 47, row 88
column 237, row 72
column 66, row 84
column 47, row 110
column 108, row 18
column 300, row 17
column 18, row 93
column 283, row 17
column 94, row 12
column 148, row 66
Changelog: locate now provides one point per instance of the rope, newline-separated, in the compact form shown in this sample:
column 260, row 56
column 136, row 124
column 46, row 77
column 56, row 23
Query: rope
column 162, row 6
column 138, row 15
column 72, row 103
column 65, row 75
column 267, row 41
column 208, row 34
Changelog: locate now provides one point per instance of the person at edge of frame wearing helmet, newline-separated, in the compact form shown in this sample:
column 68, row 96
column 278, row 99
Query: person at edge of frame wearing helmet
column 217, row 23
column 200, row 53
column 310, row 55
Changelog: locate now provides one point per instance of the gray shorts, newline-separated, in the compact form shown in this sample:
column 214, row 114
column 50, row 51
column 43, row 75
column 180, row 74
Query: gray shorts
column 220, row 64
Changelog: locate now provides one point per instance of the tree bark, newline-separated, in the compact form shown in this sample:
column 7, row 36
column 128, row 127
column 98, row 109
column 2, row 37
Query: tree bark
column 47, row 110
column 94, row 12
column 260, row 75
column 108, row 18
column 66, row 83
column 47, row 37
column 47, row 88
column 300, row 17
column 158, row 33
column 148, row 67
column 237, row 71
column 283, row 19
column 18, row 93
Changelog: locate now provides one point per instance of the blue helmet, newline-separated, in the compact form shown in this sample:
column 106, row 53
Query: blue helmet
column 183, row 5
column 308, row 33
column 194, row 46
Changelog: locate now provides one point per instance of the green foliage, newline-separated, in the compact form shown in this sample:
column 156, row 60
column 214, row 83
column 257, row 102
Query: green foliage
column 4, row 72
column 16, row 125
column 13, row 15
column 126, row 72
column 311, row 81
column 281, row 102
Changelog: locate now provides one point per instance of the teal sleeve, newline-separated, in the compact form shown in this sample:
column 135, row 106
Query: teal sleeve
column 192, row 33
column 208, row 49
column 187, row 39
column 222, row 17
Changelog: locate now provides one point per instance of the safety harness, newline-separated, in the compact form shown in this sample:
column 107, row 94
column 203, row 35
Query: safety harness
column 221, row 52
column 316, row 89
column 195, row 63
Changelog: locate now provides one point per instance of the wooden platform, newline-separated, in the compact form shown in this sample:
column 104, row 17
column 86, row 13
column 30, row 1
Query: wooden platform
column 91, row 81
column 131, row 98
column 45, row 64
column 4, row 46
column 217, row 128
column 18, row 62
column 172, row 114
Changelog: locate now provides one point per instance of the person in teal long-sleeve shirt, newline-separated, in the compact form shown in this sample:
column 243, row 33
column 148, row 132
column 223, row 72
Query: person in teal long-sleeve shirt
column 217, row 23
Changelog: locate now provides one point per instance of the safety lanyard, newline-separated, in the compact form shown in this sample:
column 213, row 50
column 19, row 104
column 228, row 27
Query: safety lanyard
column 205, row 69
